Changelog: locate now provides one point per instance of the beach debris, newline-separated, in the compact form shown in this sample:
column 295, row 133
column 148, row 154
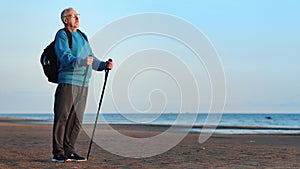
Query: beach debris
column 269, row 117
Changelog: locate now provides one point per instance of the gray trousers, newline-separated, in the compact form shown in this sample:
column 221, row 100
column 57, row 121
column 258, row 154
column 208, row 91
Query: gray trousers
column 67, row 120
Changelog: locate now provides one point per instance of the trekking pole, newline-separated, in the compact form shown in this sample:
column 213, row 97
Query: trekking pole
column 99, row 106
column 77, row 98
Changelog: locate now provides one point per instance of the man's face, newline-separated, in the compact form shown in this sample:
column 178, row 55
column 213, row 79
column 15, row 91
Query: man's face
column 72, row 19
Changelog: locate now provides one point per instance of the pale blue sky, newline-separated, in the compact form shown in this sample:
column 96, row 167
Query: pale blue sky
column 257, row 41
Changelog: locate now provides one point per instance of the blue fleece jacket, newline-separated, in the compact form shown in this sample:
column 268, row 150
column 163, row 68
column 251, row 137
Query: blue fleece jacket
column 72, row 60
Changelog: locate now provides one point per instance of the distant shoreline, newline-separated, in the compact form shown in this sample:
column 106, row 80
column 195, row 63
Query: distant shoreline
column 20, row 120
column 162, row 127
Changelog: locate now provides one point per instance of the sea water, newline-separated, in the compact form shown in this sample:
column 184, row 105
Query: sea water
column 234, row 123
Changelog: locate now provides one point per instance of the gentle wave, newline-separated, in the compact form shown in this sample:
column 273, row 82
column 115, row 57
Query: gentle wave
column 229, row 124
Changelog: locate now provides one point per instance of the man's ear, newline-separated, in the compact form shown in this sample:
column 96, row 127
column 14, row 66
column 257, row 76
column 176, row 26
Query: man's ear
column 65, row 20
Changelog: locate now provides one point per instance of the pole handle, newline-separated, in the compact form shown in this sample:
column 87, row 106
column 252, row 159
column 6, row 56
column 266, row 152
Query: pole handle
column 109, row 60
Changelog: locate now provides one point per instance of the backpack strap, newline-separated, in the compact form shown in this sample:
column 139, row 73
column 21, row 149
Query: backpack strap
column 84, row 36
column 69, row 37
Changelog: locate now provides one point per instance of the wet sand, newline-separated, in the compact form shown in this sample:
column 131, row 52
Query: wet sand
column 29, row 146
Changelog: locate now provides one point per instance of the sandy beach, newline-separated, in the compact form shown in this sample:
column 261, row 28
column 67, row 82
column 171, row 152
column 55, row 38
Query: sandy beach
column 29, row 146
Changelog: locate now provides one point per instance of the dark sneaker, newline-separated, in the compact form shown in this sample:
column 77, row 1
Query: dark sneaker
column 75, row 157
column 59, row 158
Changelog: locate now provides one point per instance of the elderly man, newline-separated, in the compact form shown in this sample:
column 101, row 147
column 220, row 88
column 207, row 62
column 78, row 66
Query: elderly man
column 75, row 65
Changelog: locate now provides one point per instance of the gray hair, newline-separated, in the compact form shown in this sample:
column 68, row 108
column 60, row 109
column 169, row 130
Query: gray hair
column 62, row 15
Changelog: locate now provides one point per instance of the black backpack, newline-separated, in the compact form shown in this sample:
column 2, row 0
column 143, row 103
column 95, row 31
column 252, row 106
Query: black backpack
column 49, row 60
